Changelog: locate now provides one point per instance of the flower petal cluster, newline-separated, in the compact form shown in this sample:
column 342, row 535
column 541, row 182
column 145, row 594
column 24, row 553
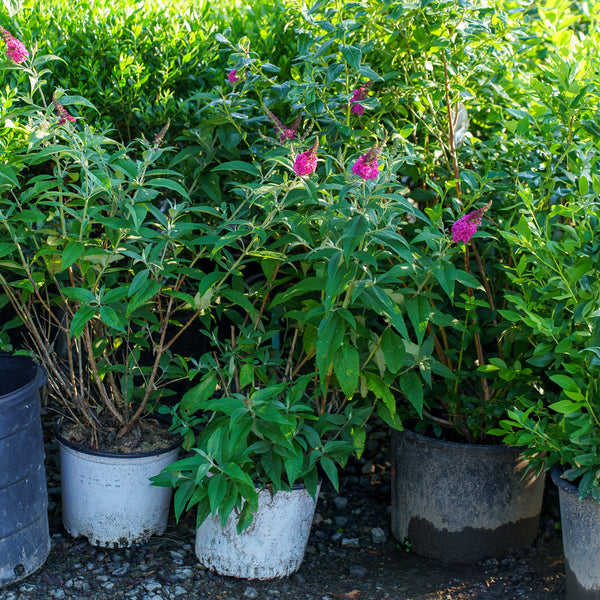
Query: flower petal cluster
column 306, row 163
column 232, row 76
column 15, row 48
column 285, row 133
column 61, row 111
column 367, row 166
column 464, row 228
column 359, row 94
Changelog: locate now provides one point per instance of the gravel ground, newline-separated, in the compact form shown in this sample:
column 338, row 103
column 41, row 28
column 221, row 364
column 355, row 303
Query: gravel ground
column 351, row 555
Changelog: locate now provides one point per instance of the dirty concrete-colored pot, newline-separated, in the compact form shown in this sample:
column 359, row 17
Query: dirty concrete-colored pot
column 580, row 524
column 461, row 503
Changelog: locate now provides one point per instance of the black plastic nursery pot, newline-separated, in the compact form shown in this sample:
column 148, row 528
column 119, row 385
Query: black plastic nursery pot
column 580, row 524
column 461, row 503
column 24, row 535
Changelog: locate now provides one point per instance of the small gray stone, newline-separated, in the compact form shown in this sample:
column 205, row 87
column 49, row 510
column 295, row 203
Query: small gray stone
column 250, row 592
column 152, row 586
column 350, row 543
column 109, row 585
column 121, row 571
column 378, row 535
column 340, row 521
column 298, row 579
column 179, row 591
column 357, row 571
column 336, row 537
column 58, row 594
column 182, row 573
column 340, row 502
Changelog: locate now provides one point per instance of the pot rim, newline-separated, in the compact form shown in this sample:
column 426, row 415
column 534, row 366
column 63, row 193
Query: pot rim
column 431, row 441
column 38, row 375
column 562, row 484
column 119, row 455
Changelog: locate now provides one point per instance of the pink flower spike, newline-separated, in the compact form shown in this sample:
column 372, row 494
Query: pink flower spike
column 285, row 133
column 464, row 229
column 366, row 166
column 232, row 76
column 15, row 49
column 63, row 115
column 306, row 163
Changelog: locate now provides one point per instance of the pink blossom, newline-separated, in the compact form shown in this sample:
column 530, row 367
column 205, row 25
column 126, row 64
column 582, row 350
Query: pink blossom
column 15, row 49
column 63, row 115
column 357, row 109
column 359, row 94
column 464, row 229
column 366, row 166
column 306, row 163
column 285, row 133
column 232, row 76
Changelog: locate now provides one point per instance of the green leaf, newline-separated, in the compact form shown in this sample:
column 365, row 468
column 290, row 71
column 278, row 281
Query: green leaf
column 330, row 470
column 217, row 488
column 352, row 56
column 169, row 184
column 246, row 374
column 110, row 317
column 71, row 253
column 419, row 309
column 80, row 294
column 346, row 366
column 80, row 319
column 393, row 350
column 412, row 387
column 195, row 397
column 565, row 407
column 238, row 165
column 565, row 382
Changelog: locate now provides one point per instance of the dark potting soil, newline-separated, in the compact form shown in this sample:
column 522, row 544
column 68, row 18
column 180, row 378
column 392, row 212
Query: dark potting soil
column 351, row 555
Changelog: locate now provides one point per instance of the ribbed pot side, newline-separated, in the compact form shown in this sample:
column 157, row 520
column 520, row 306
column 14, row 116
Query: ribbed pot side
column 580, row 524
column 24, row 535
column 460, row 503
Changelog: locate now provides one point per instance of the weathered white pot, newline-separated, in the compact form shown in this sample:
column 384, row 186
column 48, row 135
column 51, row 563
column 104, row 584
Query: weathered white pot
column 580, row 524
column 273, row 545
column 109, row 499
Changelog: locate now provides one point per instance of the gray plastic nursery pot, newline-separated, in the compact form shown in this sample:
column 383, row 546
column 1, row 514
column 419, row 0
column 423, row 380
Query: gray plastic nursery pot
column 24, row 536
column 580, row 524
column 461, row 503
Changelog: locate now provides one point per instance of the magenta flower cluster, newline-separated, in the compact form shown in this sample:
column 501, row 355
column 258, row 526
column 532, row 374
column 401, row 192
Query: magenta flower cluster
column 232, row 76
column 285, row 133
column 61, row 111
column 15, row 49
column 465, row 227
column 358, row 95
column 366, row 166
column 306, row 163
